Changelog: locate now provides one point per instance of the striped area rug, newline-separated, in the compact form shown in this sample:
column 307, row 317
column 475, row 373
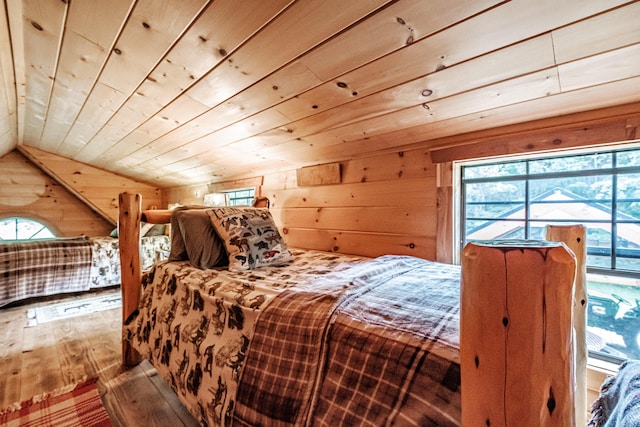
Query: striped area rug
column 76, row 405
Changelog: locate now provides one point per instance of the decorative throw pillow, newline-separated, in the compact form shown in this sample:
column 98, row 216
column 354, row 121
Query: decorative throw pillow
column 194, row 238
column 250, row 236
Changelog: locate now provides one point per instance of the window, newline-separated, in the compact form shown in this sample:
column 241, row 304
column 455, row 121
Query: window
column 23, row 229
column 242, row 197
column 518, row 197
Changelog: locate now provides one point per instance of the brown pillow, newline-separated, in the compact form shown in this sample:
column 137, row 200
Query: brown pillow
column 193, row 238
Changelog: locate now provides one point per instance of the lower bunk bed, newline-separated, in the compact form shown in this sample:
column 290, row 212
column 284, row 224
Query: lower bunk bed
column 43, row 267
column 315, row 338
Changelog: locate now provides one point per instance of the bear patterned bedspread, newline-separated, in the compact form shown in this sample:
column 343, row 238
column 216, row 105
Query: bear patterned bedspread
column 329, row 339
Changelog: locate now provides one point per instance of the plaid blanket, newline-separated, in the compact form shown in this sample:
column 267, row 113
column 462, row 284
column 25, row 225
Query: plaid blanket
column 43, row 267
column 619, row 402
column 374, row 345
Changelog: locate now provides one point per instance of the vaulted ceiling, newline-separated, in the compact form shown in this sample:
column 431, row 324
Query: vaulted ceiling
column 177, row 92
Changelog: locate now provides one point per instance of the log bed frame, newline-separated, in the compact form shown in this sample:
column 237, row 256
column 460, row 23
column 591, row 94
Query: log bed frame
column 131, row 214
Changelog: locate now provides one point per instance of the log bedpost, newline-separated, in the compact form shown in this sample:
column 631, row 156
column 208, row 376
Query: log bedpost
column 130, row 213
column 516, row 345
column 575, row 237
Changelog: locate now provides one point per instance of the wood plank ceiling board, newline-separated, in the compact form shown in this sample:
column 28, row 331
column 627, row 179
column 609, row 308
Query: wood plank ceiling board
column 87, row 41
column 244, row 66
column 462, row 32
column 15, row 21
column 42, row 23
column 219, row 31
column 248, row 105
column 151, row 30
column 200, row 91
column 611, row 30
column 8, row 113
column 214, row 87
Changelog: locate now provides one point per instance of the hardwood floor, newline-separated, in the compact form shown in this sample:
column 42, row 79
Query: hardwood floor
column 42, row 358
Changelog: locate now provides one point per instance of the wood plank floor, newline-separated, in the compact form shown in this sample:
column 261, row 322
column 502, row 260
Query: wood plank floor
column 42, row 358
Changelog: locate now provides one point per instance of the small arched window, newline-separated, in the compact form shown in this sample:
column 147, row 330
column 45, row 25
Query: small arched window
column 16, row 228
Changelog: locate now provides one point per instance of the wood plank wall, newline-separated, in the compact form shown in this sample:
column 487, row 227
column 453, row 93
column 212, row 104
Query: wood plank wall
column 383, row 204
column 26, row 191
column 96, row 187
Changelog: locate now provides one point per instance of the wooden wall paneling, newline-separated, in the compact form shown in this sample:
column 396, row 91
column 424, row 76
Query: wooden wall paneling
column 42, row 25
column 365, row 244
column 410, row 220
column 405, row 193
column 27, row 191
column 445, row 214
column 396, row 165
column 84, row 181
column 387, row 200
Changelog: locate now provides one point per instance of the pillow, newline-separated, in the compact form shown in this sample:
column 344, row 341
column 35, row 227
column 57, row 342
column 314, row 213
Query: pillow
column 155, row 230
column 144, row 229
column 250, row 236
column 193, row 238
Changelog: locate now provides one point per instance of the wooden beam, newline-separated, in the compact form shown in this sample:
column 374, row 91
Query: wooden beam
column 518, row 139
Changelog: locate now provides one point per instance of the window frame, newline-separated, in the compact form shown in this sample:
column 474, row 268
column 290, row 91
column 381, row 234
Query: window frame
column 34, row 236
column 460, row 203
column 598, row 362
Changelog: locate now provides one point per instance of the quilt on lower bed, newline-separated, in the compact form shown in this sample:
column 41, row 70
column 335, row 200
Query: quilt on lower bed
column 43, row 267
column 197, row 327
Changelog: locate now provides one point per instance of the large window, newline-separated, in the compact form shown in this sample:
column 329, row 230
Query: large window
column 517, row 198
column 23, row 229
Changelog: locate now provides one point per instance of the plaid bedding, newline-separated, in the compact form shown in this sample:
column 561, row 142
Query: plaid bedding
column 43, row 267
column 195, row 325
column 374, row 345
column 378, row 337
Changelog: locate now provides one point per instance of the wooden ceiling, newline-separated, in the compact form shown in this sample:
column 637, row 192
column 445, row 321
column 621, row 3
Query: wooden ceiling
column 177, row 92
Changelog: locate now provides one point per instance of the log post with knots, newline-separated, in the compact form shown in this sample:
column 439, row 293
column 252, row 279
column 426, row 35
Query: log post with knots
column 575, row 237
column 516, row 345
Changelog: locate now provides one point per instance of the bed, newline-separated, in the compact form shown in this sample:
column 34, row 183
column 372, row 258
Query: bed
column 312, row 338
column 35, row 268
